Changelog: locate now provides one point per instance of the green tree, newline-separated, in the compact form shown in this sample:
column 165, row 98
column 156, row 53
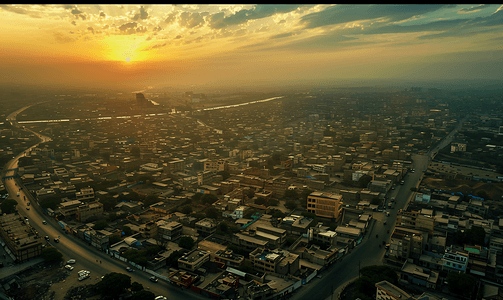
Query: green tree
column 51, row 203
column 209, row 199
column 225, row 174
column 187, row 209
column 224, row 227
column 186, row 242
column 211, row 212
column 461, row 284
column 143, row 295
column 290, row 204
column 8, row 206
column 108, row 202
column 363, row 182
column 100, row 225
column 51, row 255
column 136, row 287
column 291, row 194
column 113, row 285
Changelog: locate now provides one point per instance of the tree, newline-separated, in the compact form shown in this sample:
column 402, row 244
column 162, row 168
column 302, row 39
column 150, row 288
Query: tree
column 186, row 242
column 461, row 284
column 51, row 255
column 113, row 285
column 100, row 225
column 223, row 227
column 211, row 212
column 209, row 199
column 187, row 209
column 290, row 204
column 135, row 151
column 225, row 174
column 51, row 203
column 8, row 206
column 291, row 194
column 136, row 287
column 143, row 295
column 363, row 182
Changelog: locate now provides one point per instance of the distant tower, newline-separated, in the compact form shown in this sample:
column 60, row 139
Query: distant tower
column 140, row 99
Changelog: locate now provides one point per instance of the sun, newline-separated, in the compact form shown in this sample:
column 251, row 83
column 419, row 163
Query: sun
column 128, row 59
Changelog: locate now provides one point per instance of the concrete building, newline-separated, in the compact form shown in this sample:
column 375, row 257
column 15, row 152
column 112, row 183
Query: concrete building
column 21, row 239
column 85, row 194
column 389, row 291
column 89, row 210
column 325, row 205
column 206, row 226
column 193, row 260
column 69, row 208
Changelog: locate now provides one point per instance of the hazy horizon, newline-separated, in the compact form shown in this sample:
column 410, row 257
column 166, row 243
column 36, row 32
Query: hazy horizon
column 135, row 47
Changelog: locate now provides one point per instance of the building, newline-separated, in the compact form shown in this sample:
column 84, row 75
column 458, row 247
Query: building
column 89, row 210
column 206, row 226
column 193, row 260
column 85, row 194
column 415, row 220
column 325, row 205
column 170, row 230
column 21, row 239
column 69, row 208
column 389, row 291
column 455, row 261
column 229, row 259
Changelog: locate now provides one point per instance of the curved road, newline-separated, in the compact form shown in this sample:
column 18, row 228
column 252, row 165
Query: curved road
column 86, row 256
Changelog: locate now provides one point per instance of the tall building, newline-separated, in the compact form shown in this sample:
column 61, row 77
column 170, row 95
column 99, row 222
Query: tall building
column 325, row 205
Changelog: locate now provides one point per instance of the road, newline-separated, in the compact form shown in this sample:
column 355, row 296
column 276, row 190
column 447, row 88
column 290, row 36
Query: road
column 86, row 256
column 368, row 252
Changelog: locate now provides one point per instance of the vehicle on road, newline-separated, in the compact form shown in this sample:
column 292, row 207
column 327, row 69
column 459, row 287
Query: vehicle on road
column 56, row 240
column 129, row 269
column 44, row 222
column 402, row 182
column 160, row 298
column 68, row 267
column 18, row 194
column 71, row 261
column 27, row 208
column 83, row 277
column 46, row 237
column 153, row 279
column 28, row 203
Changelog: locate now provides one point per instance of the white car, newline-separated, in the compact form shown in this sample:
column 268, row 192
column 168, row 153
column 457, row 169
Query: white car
column 68, row 267
column 83, row 277
column 83, row 273
column 160, row 298
column 71, row 261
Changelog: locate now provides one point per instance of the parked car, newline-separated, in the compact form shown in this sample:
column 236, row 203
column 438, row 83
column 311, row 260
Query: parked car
column 56, row 240
column 71, row 261
column 44, row 222
column 129, row 269
column 46, row 237
column 153, row 279
column 68, row 267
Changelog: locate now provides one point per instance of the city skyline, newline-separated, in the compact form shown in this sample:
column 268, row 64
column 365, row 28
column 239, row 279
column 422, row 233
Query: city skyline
column 140, row 46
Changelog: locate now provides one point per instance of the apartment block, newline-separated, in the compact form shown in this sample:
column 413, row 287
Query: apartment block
column 85, row 194
column 89, row 210
column 325, row 205
column 69, row 208
column 193, row 260
column 19, row 237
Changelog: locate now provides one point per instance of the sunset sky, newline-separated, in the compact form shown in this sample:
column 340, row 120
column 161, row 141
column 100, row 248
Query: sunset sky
column 135, row 46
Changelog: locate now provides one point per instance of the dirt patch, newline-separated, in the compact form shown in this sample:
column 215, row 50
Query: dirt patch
column 36, row 281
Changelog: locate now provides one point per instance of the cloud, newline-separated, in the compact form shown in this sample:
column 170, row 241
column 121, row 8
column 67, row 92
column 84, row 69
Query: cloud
column 349, row 13
column 90, row 29
column 20, row 10
column 472, row 9
column 192, row 20
column 142, row 15
column 245, row 15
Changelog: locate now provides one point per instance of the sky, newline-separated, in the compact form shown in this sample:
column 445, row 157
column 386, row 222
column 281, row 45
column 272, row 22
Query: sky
column 140, row 46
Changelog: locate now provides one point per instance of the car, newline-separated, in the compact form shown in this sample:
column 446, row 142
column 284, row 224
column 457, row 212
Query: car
column 68, row 267
column 83, row 277
column 160, row 298
column 28, row 204
column 56, row 240
column 27, row 208
column 44, row 222
column 46, row 237
column 129, row 269
column 71, row 261
column 153, row 279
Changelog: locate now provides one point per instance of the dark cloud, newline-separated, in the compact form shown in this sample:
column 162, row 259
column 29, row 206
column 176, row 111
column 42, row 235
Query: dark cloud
column 102, row 14
column 348, row 13
column 192, row 20
column 76, row 11
column 127, row 26
column 142, row 15
column 258, row 12
column 90, row 29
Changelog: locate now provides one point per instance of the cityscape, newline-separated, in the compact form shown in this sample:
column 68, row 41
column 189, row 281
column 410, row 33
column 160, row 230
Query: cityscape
column 251, row 152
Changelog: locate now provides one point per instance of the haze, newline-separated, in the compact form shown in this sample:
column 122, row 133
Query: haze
column 132, row 46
